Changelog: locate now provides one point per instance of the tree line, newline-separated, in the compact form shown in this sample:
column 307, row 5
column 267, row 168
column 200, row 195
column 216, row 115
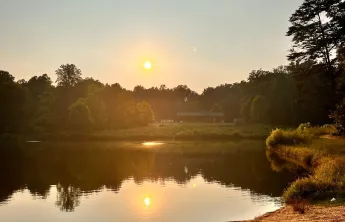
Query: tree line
column 310, row 89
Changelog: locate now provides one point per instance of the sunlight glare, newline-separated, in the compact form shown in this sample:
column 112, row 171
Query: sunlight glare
column 147, row 201
column 147, row 65
column 152, row 143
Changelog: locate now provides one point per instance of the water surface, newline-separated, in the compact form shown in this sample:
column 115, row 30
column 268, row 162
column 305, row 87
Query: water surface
column 171, row 181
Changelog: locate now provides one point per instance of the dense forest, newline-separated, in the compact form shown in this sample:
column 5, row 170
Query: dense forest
column 310, row 89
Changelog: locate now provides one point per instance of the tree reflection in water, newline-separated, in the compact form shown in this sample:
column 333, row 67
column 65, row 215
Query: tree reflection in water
column 68, row 197
column 79, row 168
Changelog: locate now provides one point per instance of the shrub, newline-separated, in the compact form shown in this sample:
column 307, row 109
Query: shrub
column 329, row 177
column 301, row 189
column 303, row 127
column 287, row 137
column 302, row 135
column 332, row 172
column 306, row 128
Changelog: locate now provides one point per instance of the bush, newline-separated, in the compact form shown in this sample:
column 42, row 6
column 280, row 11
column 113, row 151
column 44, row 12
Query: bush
column 306, row 128
column 331, row 171
column 302, row 188
column 303, row 127
column 329, row 177
column 302, row 135
column 287, row 137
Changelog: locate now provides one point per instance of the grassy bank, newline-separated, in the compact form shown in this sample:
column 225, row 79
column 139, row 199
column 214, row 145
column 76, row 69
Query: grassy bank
column 175, row 131
column 322, row 155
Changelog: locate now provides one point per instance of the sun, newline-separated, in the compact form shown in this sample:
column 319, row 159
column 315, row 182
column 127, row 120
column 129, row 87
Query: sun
column 147, row 201
column 147, row 65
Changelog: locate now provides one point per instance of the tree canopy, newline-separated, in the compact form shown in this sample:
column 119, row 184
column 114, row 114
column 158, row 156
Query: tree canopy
column 310, row 89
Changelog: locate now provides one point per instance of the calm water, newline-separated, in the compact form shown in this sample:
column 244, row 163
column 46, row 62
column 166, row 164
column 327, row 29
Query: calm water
column 189, row 181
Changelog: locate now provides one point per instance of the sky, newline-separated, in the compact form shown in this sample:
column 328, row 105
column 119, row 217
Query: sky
column 198, row 43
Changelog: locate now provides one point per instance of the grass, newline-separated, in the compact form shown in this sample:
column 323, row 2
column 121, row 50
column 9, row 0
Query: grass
column 328, row 180
column 174, row 131
column 287, row 137
column 322, row 156
column 302, row 135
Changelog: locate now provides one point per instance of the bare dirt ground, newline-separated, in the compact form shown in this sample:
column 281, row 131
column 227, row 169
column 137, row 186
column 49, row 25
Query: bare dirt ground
column 313, row 213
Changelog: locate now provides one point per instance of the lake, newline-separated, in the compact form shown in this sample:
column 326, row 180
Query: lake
column 131, row 181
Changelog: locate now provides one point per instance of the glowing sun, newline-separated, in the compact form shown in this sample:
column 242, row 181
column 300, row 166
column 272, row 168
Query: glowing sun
column 147, row 201
column 147, row 65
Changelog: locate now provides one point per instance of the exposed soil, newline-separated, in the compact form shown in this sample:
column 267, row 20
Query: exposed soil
column 312, row 213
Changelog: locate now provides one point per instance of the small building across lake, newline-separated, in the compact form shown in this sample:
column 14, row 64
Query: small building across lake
column 209, row 117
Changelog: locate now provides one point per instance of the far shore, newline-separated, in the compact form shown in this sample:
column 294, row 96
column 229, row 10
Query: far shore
column 162, row 131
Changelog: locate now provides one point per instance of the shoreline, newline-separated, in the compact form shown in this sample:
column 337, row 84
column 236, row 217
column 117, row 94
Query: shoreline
column 154, row 132
column 320, row 195
column 113, row 138
column 313, row 213
column 206, row 137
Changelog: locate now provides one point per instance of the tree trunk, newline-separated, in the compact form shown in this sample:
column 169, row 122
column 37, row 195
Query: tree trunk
column 327, row 54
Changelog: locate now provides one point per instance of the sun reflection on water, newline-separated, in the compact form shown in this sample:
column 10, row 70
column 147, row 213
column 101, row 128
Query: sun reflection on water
column 147, row 201
column 152, row 143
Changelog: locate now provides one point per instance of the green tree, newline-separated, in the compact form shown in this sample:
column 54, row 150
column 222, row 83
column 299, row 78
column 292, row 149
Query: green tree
column 13, row 104
column 315, row 98
column 80, row 118
column 98, row 111
column 39, row 84
column 6, row 77
column 259, row 109
column 246, row 106
column 145, row 113
column 314, row 32
column 68, row 75
column 43, row 117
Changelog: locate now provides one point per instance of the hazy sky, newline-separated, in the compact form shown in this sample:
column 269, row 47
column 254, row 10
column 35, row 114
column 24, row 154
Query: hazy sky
column 199, row 43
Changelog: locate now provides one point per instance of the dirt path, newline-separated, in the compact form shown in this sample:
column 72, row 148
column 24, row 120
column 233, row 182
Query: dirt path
column 313, row 213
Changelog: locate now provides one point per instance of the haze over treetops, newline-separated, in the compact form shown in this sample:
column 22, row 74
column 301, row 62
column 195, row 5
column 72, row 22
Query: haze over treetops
column 213, row 43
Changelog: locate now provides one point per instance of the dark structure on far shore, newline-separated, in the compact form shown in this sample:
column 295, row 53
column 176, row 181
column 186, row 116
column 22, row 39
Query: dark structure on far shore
column 209, row 117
